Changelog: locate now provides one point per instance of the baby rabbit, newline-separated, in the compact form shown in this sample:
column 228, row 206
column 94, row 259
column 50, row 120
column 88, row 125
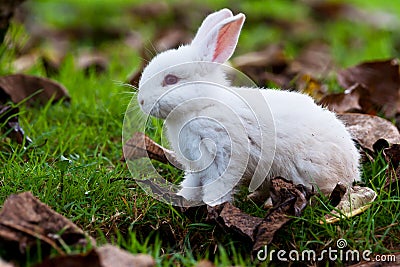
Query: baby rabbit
column 227, row 136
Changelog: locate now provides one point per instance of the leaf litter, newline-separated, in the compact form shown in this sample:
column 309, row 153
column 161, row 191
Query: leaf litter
column 288, row 200
column 24, row 220
column 19, row 88
column 369, row 130
column 348, row 202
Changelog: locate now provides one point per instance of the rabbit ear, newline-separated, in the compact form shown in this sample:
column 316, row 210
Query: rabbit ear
column 220, row 43
column 209, row 22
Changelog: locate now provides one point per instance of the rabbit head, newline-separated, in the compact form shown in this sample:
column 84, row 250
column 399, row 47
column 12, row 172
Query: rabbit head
column 160, row 88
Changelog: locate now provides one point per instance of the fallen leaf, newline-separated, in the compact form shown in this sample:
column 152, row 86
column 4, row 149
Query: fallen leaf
column 231, row 217
column 354, row 201
column 381, row 79
column 368, row 129
column 140, row 145
column 315, row 60
column 288, row 200
column 161, row 191
column 258, row 65
column 105, row 256
column 21, row 86
column 24, row 220
column 9, row 124
column 392, row 157
column 271, row 65
column 272, row 57
column 349, row 101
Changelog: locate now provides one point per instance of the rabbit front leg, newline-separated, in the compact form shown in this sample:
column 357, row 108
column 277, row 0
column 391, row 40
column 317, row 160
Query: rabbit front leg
column 191, row 187
column 217, row 186
column 205, row 149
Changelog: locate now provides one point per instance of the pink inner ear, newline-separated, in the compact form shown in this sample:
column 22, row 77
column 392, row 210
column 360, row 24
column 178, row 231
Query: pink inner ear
column 226, row 41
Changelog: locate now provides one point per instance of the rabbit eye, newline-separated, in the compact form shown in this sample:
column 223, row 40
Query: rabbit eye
column 170, row 79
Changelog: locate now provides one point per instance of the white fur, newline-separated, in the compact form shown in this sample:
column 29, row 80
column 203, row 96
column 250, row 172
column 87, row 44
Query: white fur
column 222, row 135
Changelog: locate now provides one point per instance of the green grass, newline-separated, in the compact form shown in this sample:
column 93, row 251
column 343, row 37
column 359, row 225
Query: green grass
column 92, row 190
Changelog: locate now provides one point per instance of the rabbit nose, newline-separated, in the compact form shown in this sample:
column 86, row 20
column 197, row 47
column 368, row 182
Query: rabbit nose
column 142, row 102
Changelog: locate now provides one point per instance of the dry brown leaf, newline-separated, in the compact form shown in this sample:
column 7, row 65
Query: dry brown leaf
column 271, row 65
column 140, row 146
column 368, row 129
column 287, row 199
column 381, row 80
column 105, row 256
column 392, row 156
column 21, row 86
column 315, row 60
column 24, row 220
column 271, row 57
column 231, row 217
column 349, row 101
column 354, row 200
column 264, row 65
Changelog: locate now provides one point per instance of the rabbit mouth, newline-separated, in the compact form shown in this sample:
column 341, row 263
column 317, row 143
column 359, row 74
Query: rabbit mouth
column 157, row 111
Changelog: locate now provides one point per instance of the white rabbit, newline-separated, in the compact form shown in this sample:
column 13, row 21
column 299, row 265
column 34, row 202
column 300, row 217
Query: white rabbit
column 226, row 136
